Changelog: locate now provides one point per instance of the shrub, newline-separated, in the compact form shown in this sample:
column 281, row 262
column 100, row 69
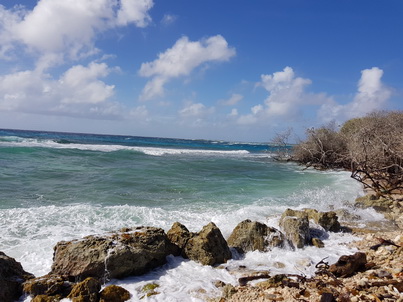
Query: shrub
column 323, row 148
column 371, row 147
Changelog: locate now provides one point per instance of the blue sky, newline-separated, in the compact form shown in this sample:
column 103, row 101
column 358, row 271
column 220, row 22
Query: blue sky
column 230, row 70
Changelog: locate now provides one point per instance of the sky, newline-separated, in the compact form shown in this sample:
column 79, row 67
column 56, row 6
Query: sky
column 201, row 69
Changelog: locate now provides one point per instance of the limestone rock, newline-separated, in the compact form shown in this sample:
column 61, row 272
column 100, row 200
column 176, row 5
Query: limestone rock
column 45, row 298
column 48, row 285
column 347, row 266
column 179, row 235
column 86, row 291
column 118, row 255
column 114, row 293
column 208, row 246
column 12, row 276
column 252, row 235
column 328, row 220
column 296, row 230
column 380, row 204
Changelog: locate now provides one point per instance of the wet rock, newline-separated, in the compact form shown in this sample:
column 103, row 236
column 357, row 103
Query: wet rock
column 48, row 285
column 114, row 293
column 12, row 276
column 347, row 266
column 86, row 291
column 208, row 246
column 117, row 255
column 252, row 235
column 296, row 230
column 179, row 235
column 318, row 243
column 327, row 220
column 45, row 298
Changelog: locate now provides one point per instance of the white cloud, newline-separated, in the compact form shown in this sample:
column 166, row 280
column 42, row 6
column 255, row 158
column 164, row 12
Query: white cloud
column 84, row 85
column 67, row 27
column 195, row 110
column 286, row 96
column 371, row 96
column 168, row 19
column 234, row 99
column 285, row 90
column 181, row 60
column 134, row 11
column 233, row 113
column 78, row 90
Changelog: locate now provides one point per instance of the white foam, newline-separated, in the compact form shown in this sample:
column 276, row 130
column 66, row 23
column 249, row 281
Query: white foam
column 154, row 151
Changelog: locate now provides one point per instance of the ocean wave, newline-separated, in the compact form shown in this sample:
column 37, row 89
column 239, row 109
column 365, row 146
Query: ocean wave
column 14, row 141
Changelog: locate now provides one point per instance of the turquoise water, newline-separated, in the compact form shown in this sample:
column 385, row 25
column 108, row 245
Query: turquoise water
column 61, row 186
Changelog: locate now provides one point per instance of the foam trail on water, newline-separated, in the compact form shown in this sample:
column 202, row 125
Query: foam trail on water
column 154, row 151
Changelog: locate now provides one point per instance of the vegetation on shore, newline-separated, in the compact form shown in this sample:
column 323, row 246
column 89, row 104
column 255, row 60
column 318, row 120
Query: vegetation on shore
column 371, row 147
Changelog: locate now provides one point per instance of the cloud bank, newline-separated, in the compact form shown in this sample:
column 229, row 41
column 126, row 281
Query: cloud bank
column 288, row 96
column 57, row 32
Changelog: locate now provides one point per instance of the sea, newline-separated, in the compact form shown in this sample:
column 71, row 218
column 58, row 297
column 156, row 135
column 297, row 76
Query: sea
column 63, row 186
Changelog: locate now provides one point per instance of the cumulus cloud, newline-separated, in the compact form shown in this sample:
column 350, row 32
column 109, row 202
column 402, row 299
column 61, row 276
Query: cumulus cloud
column 57, row 32
column 134, row 11
column 36, row 92
column 181, row 60
column 67, row 27
column 285, row 91
column 372, row 95
column 286, row 95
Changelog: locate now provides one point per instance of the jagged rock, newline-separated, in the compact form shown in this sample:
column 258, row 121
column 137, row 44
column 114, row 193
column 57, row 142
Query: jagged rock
column 12, row 276
column 86, row 291
column 179, row 235
column 48, row 285
column 252, row 235
column 380, row 204
column 347, row 266
column 45, row 298
column 118, row 255
column 296, row 229
column 208, row 246
column 328, row 220
column 114, row 293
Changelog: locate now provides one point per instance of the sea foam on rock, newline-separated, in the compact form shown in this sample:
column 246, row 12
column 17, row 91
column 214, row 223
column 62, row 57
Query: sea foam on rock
column 131, row 252
column 134, row 251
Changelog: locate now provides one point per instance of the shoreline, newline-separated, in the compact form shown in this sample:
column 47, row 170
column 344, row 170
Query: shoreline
column 380, row 280
column 305, row 290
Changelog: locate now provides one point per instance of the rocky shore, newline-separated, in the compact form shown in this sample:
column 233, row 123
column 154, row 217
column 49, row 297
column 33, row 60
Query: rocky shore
column 80, row 267
column 374, row 273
